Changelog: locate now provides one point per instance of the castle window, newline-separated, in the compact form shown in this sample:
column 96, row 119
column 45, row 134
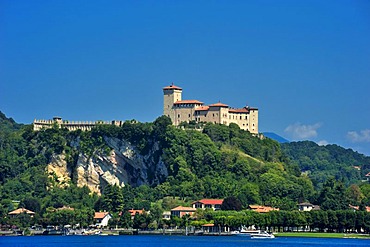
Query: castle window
column 189, row 115
column 178, row 115
column 240, row 117
column 246, row 117
column 213, row 115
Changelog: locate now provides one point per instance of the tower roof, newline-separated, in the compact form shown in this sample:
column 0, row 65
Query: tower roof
column 219, row 104
column 172, row 86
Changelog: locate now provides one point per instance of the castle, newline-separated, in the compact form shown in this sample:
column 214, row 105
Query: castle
column 179, row 111
column 193, row 110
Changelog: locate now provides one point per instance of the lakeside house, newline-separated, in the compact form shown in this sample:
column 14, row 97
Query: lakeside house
column 181, row 211
column 102, row 218
column 214, row 204
column 19, row 211
column 166, row 215
column 133, row 212
column 306, row 206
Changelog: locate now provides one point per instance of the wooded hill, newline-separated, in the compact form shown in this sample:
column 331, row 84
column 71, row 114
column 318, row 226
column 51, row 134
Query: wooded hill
column 219, row 162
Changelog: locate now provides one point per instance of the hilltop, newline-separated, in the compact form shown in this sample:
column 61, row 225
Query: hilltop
column 149, row 162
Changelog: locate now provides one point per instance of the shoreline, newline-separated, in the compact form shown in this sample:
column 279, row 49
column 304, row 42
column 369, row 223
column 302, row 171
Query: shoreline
column 178, row 232
column 322, row 235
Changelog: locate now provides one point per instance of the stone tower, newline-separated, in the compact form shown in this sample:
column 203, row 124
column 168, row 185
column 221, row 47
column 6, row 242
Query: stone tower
column 171, row 94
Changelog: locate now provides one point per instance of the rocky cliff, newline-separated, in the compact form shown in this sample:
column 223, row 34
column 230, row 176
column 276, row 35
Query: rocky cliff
column 123, row 165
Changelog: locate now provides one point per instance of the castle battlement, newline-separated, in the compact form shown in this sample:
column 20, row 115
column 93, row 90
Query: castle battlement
column 39, row 124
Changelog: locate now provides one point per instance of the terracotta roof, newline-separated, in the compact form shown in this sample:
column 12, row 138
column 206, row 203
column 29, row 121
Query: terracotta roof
column 367, row 175
column 219, row 104
column 134, row 211
column 100, row 215
column 354, row 207
column 262, row 209
column 209, row 224
column 241, row 110
column 202, row 108
column 191, row 101
column 181, row 208
column 21, row 211
column 358, row 208
column 210, row 201
column 172, row 87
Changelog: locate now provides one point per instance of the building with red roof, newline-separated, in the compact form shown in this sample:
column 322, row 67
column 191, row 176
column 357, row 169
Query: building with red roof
column 102, row 218
column 180, row 110
column 180, row 211
column 214, row 204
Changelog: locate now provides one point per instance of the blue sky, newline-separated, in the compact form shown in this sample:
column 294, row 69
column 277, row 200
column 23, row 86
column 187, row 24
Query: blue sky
column 304, row 64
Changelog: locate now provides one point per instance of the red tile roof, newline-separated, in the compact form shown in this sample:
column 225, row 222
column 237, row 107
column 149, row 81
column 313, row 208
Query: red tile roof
column 202, row 108
column 219, row 104
column 186, row 209
column 208, row 225
column 172, row 87
column 211, row 201
column 134, row 211
column 241, row 110
column 191, row 101
column 100, row 215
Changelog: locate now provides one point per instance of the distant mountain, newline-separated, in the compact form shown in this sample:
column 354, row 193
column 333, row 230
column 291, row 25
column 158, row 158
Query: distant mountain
column 321, row 162
column 275, row 137
column 8, row 124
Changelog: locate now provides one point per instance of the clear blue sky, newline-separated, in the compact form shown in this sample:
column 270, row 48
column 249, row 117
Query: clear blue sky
column 304, row 64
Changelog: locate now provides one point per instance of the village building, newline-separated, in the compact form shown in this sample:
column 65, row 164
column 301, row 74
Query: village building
column 180, row 211
column 133, row 212
column 357, row 208
column 306, row 206
column 21, row 211
column 180, row 110
column 102, row 218
column 214, row 204
column 166, row 215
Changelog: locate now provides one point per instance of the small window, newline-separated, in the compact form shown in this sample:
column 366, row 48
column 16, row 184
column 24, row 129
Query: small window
column 178, row 115
column 189, row 115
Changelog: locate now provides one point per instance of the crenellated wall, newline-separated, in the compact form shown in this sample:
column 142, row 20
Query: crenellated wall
column 39, row 124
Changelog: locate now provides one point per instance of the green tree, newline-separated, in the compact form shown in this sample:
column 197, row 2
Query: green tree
column 231, row 203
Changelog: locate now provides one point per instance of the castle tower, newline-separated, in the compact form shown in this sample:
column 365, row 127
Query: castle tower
column 171, row 94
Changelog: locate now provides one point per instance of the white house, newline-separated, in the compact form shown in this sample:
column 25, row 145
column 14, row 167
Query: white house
column 102, row 218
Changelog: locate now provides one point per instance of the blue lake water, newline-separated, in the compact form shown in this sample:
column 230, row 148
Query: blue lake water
column 173, row 241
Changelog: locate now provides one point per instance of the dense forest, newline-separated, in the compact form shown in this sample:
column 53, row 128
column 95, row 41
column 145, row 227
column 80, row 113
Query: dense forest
column 217, row 162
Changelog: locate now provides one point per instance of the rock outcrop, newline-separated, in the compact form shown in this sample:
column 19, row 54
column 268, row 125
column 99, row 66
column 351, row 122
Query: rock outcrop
column 58, row 171
column 124, row 165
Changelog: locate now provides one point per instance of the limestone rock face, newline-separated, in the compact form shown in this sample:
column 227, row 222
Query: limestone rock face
column 58, row 170
column 124, row 165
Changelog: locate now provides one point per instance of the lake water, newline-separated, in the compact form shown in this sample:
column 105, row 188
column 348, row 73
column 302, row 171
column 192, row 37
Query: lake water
column 173, row 241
